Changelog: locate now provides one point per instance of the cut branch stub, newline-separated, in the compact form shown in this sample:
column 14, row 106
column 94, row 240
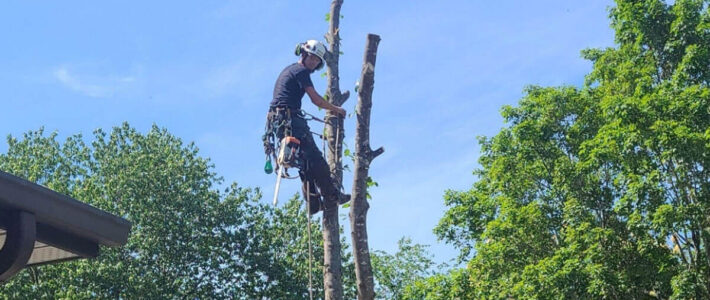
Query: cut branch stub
column 375, row 154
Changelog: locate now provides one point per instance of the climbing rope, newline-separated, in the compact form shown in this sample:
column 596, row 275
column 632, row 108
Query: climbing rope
column 310, row 243
column 308, row 192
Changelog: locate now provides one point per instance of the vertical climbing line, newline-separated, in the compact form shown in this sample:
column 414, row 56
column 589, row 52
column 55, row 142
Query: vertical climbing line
column 333, row 121
column 310, row 246
column 323, row 138
column 337, row 140
column 337, row 157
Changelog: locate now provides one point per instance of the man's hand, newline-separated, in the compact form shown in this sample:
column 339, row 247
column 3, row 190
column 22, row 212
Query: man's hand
column 320, row 102
column 340, row 111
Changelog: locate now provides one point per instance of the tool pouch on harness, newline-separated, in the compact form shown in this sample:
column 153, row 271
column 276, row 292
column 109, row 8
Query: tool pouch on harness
column 279, row 142
column 278, row 124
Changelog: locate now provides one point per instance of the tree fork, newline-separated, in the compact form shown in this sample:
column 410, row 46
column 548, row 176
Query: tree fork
column 332, row 265
column 363, row 157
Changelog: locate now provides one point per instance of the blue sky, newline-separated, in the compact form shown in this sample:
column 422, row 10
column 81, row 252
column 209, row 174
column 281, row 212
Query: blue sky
column 206, row 69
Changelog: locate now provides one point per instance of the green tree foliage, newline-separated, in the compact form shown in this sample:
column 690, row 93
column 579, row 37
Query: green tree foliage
column 453, row 285
column 188, row 241
column 598, row 192
column 395, row 272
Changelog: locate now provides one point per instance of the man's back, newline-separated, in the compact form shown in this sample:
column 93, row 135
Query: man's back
column 290, row 86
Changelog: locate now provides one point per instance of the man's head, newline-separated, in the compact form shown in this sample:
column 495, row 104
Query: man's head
column 312, row 54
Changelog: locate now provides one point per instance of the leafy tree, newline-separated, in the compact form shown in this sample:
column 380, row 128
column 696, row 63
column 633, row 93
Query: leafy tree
column 188, row 240
column 440, row 286
column 599, row 192
column 395, row 272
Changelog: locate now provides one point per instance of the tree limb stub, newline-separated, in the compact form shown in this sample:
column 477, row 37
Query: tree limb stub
column 376, row 153
column 343, row 97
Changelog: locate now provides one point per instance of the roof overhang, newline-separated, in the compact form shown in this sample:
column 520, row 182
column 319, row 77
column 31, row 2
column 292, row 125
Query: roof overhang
column 39, row 226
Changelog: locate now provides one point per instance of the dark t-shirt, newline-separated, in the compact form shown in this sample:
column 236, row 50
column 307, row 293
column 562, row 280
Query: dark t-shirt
column 291, row 85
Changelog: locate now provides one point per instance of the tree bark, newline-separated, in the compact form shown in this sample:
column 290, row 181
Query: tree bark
column 332, row 264
column 363, row 157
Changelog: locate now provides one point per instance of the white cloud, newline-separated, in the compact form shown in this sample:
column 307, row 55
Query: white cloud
column 74, row 83
column 92, row 86
column 128, row 79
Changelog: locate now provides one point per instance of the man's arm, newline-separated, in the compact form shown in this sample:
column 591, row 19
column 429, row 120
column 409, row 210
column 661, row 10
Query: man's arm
column 320, row 102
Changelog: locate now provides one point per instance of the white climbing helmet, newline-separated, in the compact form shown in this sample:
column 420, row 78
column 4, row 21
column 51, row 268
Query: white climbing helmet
column 316, row 48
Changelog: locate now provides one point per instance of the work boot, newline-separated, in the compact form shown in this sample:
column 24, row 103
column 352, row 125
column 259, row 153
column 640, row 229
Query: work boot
column 343, row 198
column 339, row 199
column 314, row 194
column 314, row 200
column 314, row 206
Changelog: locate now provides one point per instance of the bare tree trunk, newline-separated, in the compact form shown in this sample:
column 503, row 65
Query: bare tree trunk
column 363, row 157
column 332, row 265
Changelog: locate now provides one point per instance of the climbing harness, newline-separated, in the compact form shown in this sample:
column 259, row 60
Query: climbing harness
column 285, row 151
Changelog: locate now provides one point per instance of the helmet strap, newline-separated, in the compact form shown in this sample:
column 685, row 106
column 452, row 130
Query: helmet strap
column 304, row 55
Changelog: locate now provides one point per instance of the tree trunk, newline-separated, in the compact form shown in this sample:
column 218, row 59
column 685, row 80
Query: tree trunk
column 332, row 265
column 363, row 157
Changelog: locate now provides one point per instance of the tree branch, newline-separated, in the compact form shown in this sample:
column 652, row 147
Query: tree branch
column 374, row 154
column 344, row 97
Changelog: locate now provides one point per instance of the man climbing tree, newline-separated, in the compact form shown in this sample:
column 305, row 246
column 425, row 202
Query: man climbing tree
column 285, row 118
